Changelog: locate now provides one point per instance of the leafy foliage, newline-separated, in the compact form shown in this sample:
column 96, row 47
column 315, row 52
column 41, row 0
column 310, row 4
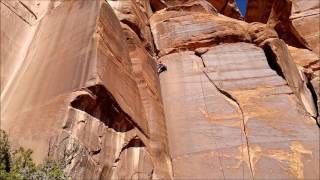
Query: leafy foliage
column 19, row 164
column 50, row 169
column 5, row 155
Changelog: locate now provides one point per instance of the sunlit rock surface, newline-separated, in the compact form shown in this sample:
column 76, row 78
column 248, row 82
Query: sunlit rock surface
column 297, row 23
column 297, row 18
column 76, row 98
column 305, row 19
column 235, row 117
column 174, row 30
column 226, row 7
column 237, row 100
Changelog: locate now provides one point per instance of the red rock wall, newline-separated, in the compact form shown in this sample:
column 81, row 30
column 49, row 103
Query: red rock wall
column 297, row 23
column 232, row 110
column 79, row 82
column 77, row 96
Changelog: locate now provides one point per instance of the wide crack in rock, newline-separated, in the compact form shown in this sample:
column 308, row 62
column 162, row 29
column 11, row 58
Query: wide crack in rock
column 281, row 61
column 227, row 105
column 230, row 97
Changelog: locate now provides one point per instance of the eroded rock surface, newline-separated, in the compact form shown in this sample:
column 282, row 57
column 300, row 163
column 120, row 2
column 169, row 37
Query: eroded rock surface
column 295, row 20
column 174, row 30
column 226, row 7
column 296, row 79
column 234, row 117
column 238, row 100
column 81, row 99
column 305, row 19
column 297, row 23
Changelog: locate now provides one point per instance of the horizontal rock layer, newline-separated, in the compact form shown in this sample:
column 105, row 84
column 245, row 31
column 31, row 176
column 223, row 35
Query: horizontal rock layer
column 226, row 7
column 174, row 30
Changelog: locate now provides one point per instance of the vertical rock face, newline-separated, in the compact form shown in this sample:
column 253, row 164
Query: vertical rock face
column 77, row 97
column 299, row 18
column 304, row 17
column 297, row 23
column 79, row 83
column 222, row 110
column 18, row 38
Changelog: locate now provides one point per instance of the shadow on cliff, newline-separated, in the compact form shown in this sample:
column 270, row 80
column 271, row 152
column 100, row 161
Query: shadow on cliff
column 100, row 104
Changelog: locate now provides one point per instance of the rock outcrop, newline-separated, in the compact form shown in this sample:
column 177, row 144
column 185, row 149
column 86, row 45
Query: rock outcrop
column 235, row 98
column 174, row 30
column 305, row 20
column 297, row 21
column 295, row 78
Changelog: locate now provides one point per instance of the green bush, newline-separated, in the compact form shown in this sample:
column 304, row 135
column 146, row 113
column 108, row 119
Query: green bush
column 18, row 164
column 5, row 155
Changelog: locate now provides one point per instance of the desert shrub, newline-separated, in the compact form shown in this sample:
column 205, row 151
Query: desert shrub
column 18, row 164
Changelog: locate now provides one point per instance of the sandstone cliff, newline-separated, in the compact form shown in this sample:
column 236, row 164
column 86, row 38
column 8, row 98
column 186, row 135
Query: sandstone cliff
column 238, row 99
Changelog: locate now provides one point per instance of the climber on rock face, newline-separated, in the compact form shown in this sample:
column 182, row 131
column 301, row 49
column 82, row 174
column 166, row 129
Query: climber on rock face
column 161, row 67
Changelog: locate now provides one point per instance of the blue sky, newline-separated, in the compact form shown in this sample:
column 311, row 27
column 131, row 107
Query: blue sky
column 242, row 4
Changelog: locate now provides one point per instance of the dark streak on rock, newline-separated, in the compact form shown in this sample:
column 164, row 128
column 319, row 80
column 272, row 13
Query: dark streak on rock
column 271, row 59
column 28, row 9
column 20, row 16
column 134, row 27
column 95, row 152
column 226, row 2
column 134, row 142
